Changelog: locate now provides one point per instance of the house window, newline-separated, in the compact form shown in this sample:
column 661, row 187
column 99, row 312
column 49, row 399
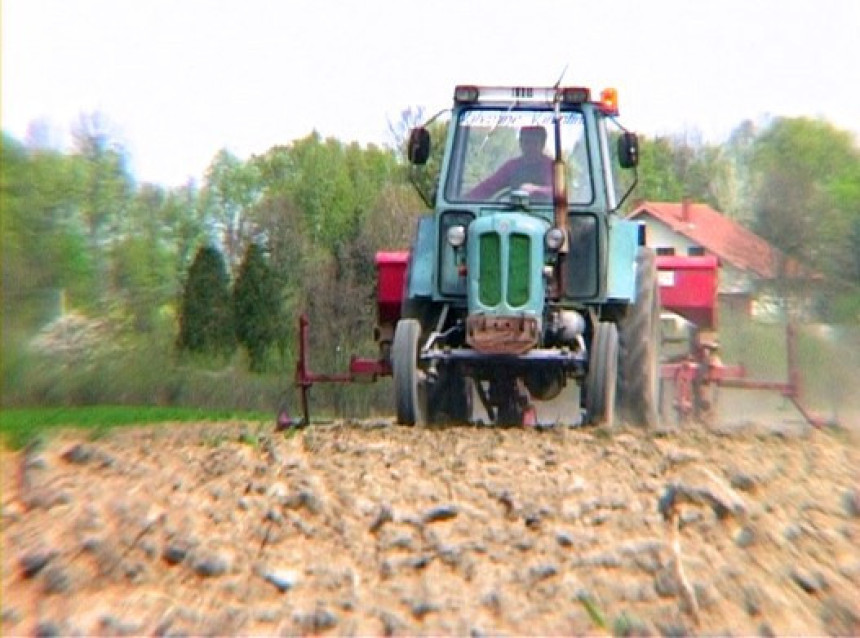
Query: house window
column 664, row 251
column 696, row 251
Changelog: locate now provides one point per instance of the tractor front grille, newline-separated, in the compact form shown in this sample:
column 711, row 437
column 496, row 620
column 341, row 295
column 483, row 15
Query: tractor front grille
column 499, row 281
column 519, row 270
column 490, row 276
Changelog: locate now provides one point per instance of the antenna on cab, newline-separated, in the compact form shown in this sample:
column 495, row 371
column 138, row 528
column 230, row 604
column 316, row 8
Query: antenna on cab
column 561, row 77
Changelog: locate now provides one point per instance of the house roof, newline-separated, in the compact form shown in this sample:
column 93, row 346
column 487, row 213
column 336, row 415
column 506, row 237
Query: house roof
column 716, row 233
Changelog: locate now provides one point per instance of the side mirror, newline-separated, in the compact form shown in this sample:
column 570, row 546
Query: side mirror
column 418, row 149
column 628, row 150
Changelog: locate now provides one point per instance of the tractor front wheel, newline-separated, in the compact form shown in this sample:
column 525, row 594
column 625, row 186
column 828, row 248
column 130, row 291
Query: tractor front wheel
column 408, row 378
column 602, row 375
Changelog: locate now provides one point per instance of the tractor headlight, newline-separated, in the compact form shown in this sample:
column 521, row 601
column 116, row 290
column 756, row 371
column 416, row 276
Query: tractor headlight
column 554, row 239
column 457, row 236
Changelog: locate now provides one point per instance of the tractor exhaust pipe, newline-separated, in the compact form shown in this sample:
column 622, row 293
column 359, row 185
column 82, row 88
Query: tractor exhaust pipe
column 559, row 198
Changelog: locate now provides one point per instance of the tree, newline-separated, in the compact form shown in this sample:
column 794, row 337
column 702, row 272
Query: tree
column 44, row 243
column 399, row 129
column 333, row 184
column 672, row 168
column 105, row 189
column 182, row 218
column 806, row 197
column 739, row 149
column 322, row 189
column 105, row 181
column 141, row 266
column 206, row 316
column 291, row 258
column 256, row 306
column 658, row 180
column 232, row 188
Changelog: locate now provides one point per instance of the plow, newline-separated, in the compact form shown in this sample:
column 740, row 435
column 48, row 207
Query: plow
column 688, row 288
column 391, row 270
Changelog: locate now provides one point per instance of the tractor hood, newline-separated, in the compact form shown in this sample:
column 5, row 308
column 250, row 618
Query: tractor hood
column 506, row 287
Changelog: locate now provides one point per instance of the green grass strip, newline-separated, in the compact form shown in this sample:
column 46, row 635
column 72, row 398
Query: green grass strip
column 20, row 425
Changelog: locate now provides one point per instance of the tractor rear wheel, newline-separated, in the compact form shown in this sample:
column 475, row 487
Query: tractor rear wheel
column 508, row 399
column 639, row 344
column 602, row 375
column 460, row 400
column 449, row 400
column 408, row 379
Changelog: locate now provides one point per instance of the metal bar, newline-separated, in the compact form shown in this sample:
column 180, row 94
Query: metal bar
column 791, row 359
column 359, row 369
column 813, row 420
column 735, row 377
column 302, row 368
column 786, row 389
column 368, row 369
column 535, row 355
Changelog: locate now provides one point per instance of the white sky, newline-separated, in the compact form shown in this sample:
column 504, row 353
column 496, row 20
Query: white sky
column 181, row 79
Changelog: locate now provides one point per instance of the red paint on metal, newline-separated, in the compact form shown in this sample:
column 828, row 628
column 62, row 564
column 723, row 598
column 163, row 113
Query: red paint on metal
column 364, row 369
column 685, row 391
column 688, row 287
column 391, row 277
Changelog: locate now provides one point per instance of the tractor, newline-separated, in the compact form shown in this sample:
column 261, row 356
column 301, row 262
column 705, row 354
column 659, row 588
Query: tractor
column 524, row 280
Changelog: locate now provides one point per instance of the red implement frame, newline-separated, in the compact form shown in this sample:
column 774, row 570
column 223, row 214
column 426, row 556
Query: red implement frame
column 391, row 273
column 688, row 287
column 360, row 369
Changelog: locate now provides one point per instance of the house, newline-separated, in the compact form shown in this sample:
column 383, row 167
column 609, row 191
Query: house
column 748, row 263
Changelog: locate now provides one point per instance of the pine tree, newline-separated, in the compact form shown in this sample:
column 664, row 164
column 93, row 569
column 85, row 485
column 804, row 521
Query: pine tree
column 206, row 319
column 255, row 306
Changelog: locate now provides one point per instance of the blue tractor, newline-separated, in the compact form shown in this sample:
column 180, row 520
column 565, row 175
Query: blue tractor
column 525, row 279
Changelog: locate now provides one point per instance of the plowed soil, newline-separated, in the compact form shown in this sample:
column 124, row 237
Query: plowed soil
column 367, row 528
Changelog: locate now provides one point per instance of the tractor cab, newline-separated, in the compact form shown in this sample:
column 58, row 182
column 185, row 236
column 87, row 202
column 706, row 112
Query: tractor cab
column 503, row 140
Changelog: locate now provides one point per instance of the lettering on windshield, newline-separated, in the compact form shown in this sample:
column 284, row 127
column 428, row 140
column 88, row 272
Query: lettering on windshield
column 516, row 119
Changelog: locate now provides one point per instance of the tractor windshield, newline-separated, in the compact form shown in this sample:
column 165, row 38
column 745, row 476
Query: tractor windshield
column 497, row 150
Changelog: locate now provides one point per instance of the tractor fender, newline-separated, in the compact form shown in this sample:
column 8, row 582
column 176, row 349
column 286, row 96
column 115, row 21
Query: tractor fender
column 419, row 275
column 624, row 237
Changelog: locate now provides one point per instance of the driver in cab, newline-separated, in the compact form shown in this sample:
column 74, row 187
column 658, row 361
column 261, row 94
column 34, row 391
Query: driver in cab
column 531, row 171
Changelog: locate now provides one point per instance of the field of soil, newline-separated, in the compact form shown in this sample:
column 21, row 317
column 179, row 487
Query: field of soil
column 367, row 528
